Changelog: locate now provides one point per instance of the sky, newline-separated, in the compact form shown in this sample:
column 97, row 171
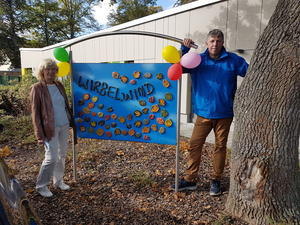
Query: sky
column 103, row 9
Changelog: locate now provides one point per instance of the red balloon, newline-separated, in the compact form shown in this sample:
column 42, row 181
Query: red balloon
column 175, row 71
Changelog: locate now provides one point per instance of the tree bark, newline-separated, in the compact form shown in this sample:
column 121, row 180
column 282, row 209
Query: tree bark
column 265, row 176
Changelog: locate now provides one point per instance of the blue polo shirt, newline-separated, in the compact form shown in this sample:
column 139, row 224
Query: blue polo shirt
column 214, row 83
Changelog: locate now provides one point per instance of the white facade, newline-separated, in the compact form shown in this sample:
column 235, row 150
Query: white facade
column 242, row 22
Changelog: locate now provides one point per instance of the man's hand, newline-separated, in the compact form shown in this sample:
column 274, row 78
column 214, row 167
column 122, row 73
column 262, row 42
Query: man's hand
column 187, row 42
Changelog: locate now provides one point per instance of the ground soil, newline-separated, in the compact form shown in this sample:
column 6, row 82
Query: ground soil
column 123, row 183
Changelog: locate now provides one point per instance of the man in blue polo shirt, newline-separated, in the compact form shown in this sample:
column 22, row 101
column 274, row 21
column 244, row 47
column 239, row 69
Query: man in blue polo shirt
column 214, row 83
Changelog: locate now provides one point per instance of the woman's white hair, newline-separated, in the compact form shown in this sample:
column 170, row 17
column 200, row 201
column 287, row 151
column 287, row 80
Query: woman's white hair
column 46, row 63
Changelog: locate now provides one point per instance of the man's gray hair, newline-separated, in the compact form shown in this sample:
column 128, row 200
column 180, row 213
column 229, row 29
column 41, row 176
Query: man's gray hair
column 215, row 33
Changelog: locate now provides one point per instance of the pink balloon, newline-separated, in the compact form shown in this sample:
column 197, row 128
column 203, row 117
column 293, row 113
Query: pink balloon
column 190, row 60
column 175, row 71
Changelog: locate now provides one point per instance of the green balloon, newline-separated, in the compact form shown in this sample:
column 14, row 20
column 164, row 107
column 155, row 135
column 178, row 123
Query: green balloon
column 61, row 54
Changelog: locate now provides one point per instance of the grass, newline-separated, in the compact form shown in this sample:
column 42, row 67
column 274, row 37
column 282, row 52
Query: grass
column 223, row 220
column 16, row 130
column 141, row 178
column 280, row 222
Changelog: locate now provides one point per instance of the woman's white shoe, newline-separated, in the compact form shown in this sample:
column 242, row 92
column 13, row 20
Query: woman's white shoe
column 44, row 191
column 63, row 186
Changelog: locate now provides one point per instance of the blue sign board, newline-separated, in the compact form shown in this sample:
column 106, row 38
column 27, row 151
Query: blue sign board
column 126, row 102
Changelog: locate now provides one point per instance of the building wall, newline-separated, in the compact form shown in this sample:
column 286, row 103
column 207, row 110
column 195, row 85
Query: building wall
column 242, row 22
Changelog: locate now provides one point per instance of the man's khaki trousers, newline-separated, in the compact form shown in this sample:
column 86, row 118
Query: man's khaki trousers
column 201, row 130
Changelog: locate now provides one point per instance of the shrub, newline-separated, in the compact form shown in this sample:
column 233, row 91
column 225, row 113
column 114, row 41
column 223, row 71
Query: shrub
column 16, row 130
column 67, row 84
column 14, row 99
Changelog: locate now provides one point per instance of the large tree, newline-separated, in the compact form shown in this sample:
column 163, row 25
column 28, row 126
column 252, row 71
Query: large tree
column 265, row 180
column 39, row 23
column 57, row 20
column 45, row 21
column 128, row 10
column 12, row 24
column 77, row 17
column 182, row 2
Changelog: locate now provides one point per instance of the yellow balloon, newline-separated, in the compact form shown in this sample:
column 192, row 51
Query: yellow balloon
column 171, row 54
column 63, row 69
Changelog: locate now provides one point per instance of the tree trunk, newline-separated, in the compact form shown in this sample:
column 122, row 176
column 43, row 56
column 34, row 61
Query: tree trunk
column 265, row 178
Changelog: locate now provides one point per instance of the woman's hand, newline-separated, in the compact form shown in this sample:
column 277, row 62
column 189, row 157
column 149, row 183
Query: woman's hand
column 41, row 142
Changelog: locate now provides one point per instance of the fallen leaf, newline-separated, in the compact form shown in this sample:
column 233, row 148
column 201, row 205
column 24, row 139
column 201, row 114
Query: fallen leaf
column 30, row 190
column 143, row 209
column 172, row 171
column 5, row 152
column 158, row 173
column 120, row 153
column 179, row 195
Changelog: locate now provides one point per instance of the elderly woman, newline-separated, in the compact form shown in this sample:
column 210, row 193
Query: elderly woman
column 51, row 116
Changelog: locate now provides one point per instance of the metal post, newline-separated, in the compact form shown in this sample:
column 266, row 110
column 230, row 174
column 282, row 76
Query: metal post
column 178, row 133
column 73, row 133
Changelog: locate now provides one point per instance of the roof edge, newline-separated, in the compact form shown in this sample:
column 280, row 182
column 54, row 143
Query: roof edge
column 159, row 15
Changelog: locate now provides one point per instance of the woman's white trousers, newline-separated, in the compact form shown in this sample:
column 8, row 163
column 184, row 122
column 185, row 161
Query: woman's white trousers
column 54, row 161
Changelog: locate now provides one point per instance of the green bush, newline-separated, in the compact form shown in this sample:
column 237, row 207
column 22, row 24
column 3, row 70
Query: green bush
column 14, row 99
column 23, row 88
column 16, row 130
column 67, row 84
column 15, row 110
